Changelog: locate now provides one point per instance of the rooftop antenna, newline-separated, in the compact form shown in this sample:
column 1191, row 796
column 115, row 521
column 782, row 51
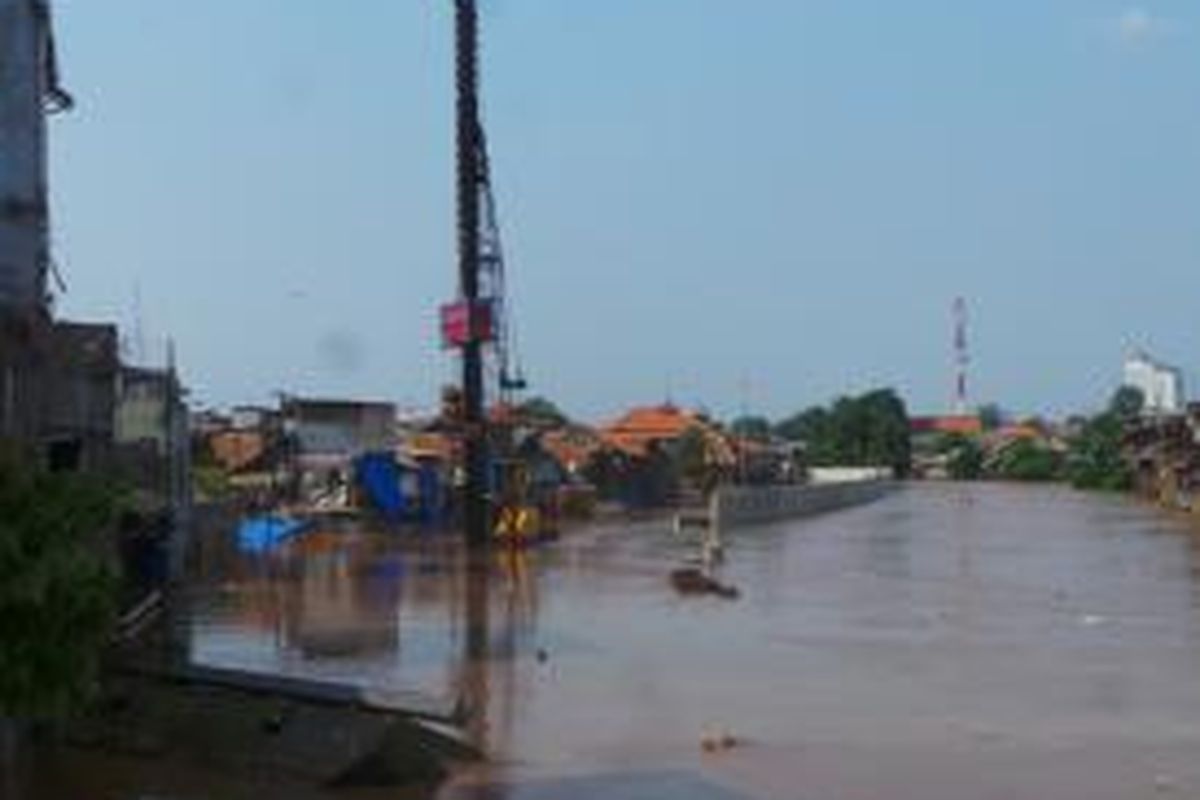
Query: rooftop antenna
column 961, row 358
column 139, row 332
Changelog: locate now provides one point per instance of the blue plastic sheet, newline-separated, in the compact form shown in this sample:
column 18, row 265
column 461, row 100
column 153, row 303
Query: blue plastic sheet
column 262, row 534
column 379, row 477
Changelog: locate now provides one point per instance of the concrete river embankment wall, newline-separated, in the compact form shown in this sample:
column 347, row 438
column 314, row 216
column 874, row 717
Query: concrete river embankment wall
column 747, row 505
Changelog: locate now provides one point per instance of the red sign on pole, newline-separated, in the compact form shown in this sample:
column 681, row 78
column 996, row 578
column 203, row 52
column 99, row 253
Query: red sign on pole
column 462, row 323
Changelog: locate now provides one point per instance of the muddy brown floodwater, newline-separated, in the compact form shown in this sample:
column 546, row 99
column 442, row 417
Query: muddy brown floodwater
column 948, row 641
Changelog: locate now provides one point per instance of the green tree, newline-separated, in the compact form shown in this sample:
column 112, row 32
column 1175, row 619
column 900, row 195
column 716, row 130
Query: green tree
column 887, row 438
column 964, row 457
column 1026, row 460
column 543, row 411
column 57, row 590
column 606, row 469
column 1127, row 402
column 751, row 427
column 811, row 425
column 689, row 453
column 991, row 416
column 1095, row 460
column 868, row 430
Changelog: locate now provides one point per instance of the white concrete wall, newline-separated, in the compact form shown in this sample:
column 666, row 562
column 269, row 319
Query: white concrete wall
column 746, row 505
column 23, row 239
column 848, row 474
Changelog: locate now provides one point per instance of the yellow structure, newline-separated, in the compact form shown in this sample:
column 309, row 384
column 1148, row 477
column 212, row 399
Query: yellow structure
column 518, row 522
column 518, row 525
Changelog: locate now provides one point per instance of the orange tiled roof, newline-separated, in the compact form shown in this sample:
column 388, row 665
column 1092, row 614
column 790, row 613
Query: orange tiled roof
column 236, row 450
column 572, row 445
column 965, row 424
column 633, row 431
column 1020, row 431
column 664, row 420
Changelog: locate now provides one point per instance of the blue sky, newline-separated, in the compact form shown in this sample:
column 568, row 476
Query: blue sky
column 743, row 205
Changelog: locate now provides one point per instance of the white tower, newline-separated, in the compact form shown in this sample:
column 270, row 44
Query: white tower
column 28, row 92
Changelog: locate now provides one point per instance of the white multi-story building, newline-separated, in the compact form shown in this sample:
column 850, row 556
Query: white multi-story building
column 1161, row 385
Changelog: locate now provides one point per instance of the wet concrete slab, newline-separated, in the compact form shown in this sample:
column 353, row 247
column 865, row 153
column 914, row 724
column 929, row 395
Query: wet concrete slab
column 389, row 702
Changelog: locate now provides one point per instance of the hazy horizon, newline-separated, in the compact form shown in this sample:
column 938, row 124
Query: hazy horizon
column 746, row 210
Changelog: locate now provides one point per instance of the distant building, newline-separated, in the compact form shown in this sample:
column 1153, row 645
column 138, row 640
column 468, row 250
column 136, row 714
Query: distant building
column 150, row 409
column 573, row 446
column 238, row 451
column 58, row 381
column 1017, row 431
column 638, row 428
column 961, row 424
column 76, row 382
column 206, row 422
column 435, row 446
column 331, row 433
column 252, row 418
column 652, row 453
column 247, row 439
column 152, row 434
column 1161, row 385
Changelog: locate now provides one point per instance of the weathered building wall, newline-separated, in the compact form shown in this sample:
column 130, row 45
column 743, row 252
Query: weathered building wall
column 23, row 208
column 80, row 393
column 58, row 386
column 142, row 407
column 23, row 354
column 27, row 341
column 330, row 430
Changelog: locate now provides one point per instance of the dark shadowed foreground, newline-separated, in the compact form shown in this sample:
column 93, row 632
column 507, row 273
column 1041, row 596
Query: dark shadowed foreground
column 945, row 642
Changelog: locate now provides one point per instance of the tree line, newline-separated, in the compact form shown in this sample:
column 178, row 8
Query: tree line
column 866, row 430
column 1092, row 457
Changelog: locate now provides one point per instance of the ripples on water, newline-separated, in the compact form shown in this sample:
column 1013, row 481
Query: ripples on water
column 955, row 631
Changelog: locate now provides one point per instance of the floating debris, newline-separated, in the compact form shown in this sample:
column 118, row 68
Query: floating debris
column 689, row 580
column 717, row 739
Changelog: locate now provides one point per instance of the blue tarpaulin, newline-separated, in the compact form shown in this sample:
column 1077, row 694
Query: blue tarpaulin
column 261, row 534
column 379, row 477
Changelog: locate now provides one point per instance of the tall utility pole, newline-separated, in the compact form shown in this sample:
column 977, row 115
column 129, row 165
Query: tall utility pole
column 961, row 359
column 476, row 516
column 475, row 505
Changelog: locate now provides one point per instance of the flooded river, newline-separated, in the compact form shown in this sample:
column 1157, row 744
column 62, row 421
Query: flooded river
column 945, row 642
